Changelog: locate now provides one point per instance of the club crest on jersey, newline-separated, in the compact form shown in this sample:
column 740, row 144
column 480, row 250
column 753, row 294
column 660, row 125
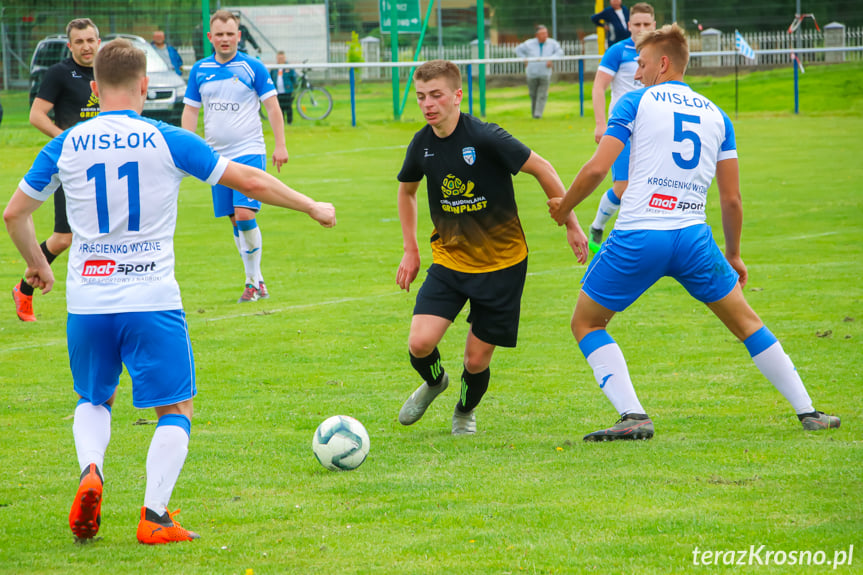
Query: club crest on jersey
column 469, row 155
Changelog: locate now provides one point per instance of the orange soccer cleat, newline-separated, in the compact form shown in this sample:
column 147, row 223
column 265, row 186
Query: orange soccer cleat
column 154, row 529
column 85, row 516
column 23, row 304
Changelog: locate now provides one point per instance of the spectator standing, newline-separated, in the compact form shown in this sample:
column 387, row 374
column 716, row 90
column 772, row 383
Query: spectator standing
column 539, row 72
column 284, row 79
column 168, row 53
column 615, row 19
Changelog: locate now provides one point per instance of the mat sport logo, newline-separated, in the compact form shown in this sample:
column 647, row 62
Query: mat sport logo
column 107, row 268
column 98, row 268
column 663, row 202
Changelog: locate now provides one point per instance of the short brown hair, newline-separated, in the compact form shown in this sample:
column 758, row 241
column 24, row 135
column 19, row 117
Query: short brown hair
column 80, row 24
column 224, row 16
column 119, row 63
column 642, row 8
column 439, row 69
column 671, row 42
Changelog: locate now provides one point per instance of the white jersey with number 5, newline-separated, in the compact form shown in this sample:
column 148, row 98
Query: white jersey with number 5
column 677, row 137
column 121, row 174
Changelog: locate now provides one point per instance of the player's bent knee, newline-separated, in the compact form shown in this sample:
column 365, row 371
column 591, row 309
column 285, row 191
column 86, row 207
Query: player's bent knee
column 420, row 346
column 183, row 408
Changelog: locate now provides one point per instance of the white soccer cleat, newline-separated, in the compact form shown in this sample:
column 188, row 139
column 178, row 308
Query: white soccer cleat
column 463, row 423
column 415, row 406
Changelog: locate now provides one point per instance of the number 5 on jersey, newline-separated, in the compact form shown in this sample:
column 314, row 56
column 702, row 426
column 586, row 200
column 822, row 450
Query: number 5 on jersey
column 681, row 135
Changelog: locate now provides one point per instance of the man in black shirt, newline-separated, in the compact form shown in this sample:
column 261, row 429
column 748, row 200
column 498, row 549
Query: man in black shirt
column 65, row 89
column 479, row 253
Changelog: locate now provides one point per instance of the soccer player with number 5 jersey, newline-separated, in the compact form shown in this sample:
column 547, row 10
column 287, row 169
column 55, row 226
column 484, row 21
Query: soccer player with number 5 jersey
column 121, row 174
column 679, row 140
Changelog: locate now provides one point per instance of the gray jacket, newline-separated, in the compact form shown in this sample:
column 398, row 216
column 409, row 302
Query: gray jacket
column 532, row 49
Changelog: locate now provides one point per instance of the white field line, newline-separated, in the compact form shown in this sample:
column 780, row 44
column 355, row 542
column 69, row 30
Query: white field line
column 295, row 307
column 351, row 151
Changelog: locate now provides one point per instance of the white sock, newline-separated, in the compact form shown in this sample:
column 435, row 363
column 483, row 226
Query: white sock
column 777, row 367
column 609, row 368
column 608, row 206
column 771, row 360
column 165, row 460
column 252, row 244
column 92, row 431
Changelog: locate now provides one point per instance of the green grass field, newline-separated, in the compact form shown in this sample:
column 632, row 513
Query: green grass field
column 729, row 468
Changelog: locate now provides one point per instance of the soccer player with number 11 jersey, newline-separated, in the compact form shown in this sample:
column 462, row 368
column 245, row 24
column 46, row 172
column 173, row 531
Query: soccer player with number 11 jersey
column 679, row 140
column 122, row 174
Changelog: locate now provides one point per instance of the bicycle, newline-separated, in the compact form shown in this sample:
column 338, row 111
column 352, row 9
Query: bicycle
column 312, row 102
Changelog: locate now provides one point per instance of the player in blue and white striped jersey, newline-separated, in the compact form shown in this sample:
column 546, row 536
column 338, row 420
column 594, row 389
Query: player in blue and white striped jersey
column 121, row 174
column 617, row 69
column 679, row 140
column 230, row 87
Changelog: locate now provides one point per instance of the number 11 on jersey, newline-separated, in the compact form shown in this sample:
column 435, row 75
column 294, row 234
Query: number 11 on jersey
column 129, row 170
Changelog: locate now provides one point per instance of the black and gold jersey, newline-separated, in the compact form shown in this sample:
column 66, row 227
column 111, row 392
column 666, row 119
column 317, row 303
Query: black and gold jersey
column 67, row 86
column 470, row 193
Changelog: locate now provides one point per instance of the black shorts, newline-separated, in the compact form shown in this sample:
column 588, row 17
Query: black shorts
column 495, row 300
column 61, row 222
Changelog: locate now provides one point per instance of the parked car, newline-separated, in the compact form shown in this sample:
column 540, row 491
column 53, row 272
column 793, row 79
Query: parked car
column 166, row 90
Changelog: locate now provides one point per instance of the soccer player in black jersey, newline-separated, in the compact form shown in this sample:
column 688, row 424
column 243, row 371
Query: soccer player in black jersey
column 65, row 89
column 479, row 253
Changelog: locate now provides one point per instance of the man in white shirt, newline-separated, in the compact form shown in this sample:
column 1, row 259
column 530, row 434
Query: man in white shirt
column 617, row 70
column 230, row 86
column 121, row 174
column 680, row 141
column 539, row 72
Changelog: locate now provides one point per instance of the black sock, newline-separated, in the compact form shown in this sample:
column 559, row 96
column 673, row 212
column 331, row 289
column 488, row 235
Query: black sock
column 429, row 367
column 473, row 387
column 48, row 255
column 26, row 288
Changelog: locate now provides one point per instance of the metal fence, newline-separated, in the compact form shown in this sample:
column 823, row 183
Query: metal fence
column 772, row 40
column 16, row 55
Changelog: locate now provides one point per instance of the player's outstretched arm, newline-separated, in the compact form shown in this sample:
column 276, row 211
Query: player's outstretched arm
column 546, row 175
column 18, row 217
column 588, row 178
column 731, row 204
column 277, row 123
column 410, row 265
column 261, row 186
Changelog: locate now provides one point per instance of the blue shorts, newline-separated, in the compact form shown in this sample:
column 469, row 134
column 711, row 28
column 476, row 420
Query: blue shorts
column 495, row 300
column 620, row 167
column 630, row 261
column 225, row 199
column 153, row 345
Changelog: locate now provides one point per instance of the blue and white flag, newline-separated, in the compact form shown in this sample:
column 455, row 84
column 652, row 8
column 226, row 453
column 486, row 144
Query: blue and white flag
column 745, row 49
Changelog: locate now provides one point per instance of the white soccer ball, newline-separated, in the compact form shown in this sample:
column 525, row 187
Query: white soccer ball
column 341, row 443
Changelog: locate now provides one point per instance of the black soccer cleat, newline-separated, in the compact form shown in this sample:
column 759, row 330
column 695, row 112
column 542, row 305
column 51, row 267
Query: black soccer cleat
column 630, row 426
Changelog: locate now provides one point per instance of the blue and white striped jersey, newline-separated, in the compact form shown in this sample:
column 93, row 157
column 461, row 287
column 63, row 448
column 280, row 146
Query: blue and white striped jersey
column 677, row 137
column 231, row 96
column 121, row 174
column 619, row 61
